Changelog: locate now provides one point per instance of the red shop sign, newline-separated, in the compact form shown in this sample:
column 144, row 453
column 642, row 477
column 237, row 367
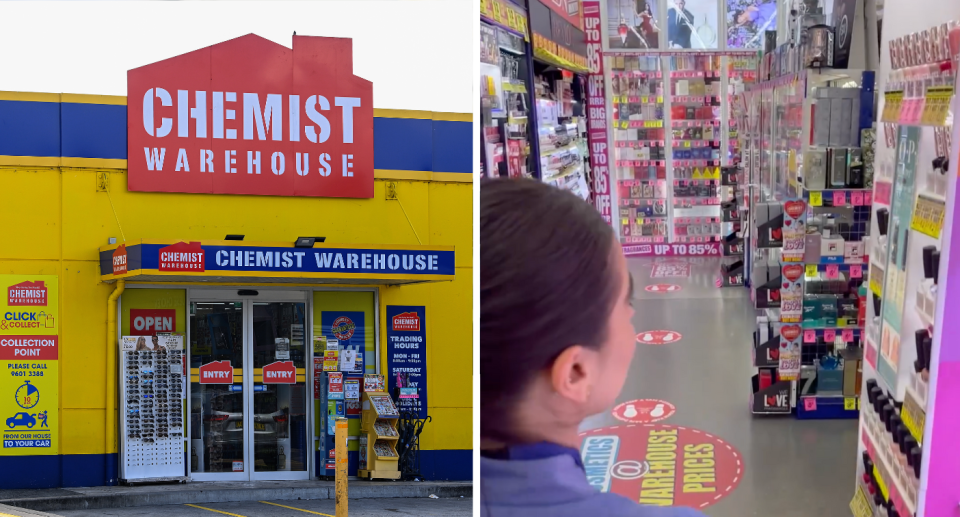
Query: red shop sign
column 250, row 116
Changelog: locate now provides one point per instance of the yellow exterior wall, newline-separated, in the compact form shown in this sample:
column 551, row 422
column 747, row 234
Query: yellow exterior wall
column 57, row 219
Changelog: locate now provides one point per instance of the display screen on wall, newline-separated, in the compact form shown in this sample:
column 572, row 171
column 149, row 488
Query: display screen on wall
column 692, row 24
column 632, row 24
column 747, row 20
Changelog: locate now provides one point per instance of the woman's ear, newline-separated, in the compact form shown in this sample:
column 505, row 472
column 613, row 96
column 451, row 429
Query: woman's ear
column 572, row 373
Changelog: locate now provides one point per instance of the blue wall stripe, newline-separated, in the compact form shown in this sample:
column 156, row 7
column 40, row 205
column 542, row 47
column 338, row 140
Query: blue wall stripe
column 100, row 131
column 29, row 128
column 93, row 131
column 402, row 144
column 447, row 465
column 452, row 146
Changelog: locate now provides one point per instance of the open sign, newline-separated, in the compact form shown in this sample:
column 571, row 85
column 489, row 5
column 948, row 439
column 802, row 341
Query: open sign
column 147, row 322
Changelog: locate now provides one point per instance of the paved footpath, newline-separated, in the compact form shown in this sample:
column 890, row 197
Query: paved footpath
column 425, row 507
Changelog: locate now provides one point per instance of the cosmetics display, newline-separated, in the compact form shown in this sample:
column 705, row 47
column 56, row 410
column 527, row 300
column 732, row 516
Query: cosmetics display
column 504, row 104
column 808, row 217
column 152, row 432
column 563, row 150
column 908, row 350
column 670, row 127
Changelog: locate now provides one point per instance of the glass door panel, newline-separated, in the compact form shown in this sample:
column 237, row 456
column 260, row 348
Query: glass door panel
column 217, row 335
column 279, row 412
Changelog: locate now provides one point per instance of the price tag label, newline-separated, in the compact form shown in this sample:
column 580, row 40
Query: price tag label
column 868, row 198
column 829, row 335
column 833, row 272
column 856, row 198
column 809, row 336
column 928, row 217
column 849, row 404
column 847, row 335
column 810, row 271
column 881, row 484
column 840, row 198
column 816, row 199
column 856, row 271
column 810, row 403
column 860, row 505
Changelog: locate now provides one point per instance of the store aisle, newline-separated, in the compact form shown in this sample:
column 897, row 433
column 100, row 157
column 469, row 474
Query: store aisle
column 773, row 465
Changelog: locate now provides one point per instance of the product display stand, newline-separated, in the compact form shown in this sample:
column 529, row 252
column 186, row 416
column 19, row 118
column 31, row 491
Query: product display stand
column 152, row 396
column 504, row 94
column 378, row 437
column 563, row 148
column 670, row 119
column 809, row 211
column 907, row 460
column 734, row 202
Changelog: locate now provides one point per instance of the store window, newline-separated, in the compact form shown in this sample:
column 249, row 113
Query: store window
column 345, row 349
column 692, row 24
column 633, row 24
column 748, row 20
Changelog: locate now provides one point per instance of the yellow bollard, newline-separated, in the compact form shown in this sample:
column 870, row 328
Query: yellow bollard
column 341, row 457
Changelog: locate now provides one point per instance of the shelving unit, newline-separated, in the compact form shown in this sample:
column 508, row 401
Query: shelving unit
column 563, row 150
column 378, row 437
column 669, row 121
column 807, row 260
column 908, row 350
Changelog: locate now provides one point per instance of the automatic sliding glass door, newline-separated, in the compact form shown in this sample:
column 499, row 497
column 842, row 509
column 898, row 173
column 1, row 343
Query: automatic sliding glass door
column 249, row 414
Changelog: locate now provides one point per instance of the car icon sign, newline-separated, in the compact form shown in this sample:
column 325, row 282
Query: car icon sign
column 21, row 419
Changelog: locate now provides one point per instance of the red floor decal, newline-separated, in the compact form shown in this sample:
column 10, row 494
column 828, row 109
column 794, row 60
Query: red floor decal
column 662, row 288
column 661, row 465
column 644, row 411
column 670, row 269
column 659, row 337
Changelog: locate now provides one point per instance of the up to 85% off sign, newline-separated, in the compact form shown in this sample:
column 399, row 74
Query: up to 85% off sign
column 694, row 249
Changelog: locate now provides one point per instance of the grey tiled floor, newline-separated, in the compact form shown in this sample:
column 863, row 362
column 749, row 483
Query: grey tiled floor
column 792, row 468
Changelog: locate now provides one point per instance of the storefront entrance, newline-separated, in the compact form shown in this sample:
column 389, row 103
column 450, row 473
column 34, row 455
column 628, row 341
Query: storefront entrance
column 248, row 392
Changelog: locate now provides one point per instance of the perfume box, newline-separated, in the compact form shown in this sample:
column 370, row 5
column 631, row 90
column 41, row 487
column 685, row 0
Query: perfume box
column 815, row 169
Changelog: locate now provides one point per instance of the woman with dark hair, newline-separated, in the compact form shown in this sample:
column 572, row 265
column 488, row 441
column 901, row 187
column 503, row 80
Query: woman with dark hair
column 556, row 342
column 648, row 27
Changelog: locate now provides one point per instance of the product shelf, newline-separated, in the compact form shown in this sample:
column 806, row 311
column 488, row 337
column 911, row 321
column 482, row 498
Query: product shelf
column 824, row 407
column 669, row 114
column 895, row 491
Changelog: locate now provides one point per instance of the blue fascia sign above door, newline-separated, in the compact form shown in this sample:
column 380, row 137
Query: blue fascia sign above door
column 235, row 261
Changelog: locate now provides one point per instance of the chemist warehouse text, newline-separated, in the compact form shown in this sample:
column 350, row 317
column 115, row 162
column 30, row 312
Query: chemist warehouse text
column 321, row 261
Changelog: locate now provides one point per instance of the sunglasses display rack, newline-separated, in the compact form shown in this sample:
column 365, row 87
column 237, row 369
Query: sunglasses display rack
column 669, row 127
column 151, row 416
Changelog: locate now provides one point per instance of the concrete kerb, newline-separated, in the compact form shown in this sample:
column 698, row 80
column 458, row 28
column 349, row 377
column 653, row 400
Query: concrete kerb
column 22, row 512
column 193, row 493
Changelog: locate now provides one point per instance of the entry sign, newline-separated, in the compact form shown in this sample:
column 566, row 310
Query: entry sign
column 216, row 372
column 279, row 372
column 407, row 354
column 250, row 116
